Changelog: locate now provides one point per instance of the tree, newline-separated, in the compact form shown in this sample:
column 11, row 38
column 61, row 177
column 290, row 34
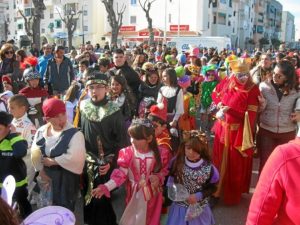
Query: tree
column 275, row 42
column 70, row 19
column 263, row 41
column 33, row 23
column 146, row 6
column 114, row 18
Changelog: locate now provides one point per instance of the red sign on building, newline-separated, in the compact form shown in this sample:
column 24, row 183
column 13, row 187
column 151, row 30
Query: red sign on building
column 127, row 28
column 146, row 33
column 181, row 27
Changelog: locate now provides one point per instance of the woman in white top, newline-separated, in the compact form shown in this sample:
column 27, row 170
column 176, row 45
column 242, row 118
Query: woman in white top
column 173, row 94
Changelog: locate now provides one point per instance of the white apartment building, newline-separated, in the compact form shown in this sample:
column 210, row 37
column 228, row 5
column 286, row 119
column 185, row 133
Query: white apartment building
column 90, row 21
column 225, row 18
column 243, row 19
column 288, row 27
column 192, row 16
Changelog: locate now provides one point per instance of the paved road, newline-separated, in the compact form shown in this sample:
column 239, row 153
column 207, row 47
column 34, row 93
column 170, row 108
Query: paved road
column 236, row 215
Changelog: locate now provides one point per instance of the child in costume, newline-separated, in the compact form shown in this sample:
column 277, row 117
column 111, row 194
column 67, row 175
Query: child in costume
column 142, row 167
column 148, row 90
column 12, row 149
column 18, row 107
column 187, row 121
column 34, row 93
column 193, row 170
column 206, row 111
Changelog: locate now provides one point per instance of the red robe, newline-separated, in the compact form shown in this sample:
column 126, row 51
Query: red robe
column 231, row 154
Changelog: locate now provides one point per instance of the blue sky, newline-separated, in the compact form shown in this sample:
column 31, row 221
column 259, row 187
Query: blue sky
column 293, row 6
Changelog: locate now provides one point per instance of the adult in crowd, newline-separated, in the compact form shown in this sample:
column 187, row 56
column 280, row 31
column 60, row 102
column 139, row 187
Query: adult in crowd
column 63, row 151
column 275, row 200
column 131, row 76
column 103, row 120
column 34, row 50
column 9, row 65
column 59, row 73
column 43, row 61
column 263, row 70
column 279, row 95
column 237, row 100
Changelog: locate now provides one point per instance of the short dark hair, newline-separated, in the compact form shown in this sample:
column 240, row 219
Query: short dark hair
column 20, row 100
column 119, row 51
column 59, row 47
column 84, row 62
column 5, row 118
column 103, row 62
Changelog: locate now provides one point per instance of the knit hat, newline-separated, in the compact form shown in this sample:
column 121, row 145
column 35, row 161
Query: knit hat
column 97, row 78
column 159, row 110
column 184, row 81
column 31, row 74
column 52, row 107
column 6, row 79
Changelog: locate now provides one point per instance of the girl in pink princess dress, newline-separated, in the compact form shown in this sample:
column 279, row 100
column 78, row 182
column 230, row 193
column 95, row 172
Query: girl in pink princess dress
column 143, row 167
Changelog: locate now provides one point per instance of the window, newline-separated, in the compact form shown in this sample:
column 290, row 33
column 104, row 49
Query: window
column 27, row 12
column 260, row 29
column 133, row 19
column 57, row 24
column 170, row 18
column 133, row 2
column 43, row 30
column 70, row 8
column 85, row 28
column 215, row 19
column 51, row 15
column 85, row 12
column 222, row 18
column 20, row 26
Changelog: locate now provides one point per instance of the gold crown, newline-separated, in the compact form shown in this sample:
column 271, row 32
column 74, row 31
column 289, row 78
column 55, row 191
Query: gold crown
column 241, row 65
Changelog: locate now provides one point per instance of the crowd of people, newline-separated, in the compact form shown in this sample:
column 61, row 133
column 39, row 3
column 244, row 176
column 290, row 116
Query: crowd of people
column 125, row 136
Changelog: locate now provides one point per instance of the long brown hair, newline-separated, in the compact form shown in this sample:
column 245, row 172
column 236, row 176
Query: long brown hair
column 195, row 143
column 139, row 131
column 7, row 215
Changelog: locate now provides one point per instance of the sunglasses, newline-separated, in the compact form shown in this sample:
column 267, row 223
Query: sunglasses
column 242, row 75
column 8, row 52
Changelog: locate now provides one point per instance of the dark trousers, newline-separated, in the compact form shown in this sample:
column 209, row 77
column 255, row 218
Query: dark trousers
column 267, row 141
column 20, row 196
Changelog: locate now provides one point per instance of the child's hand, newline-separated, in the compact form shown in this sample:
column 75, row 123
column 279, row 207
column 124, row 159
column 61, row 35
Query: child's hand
column 192, row 199
column 104, row 169
column 97, row 192
column 154, row 180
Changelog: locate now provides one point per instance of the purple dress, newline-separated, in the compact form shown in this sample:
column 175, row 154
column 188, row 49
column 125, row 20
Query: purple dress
column 195, row 176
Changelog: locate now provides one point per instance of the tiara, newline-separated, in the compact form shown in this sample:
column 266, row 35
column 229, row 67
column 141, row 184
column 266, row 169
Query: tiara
column 195, row 134
column 142, row 122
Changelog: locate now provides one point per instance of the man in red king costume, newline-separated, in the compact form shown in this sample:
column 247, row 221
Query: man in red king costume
column 237, row 101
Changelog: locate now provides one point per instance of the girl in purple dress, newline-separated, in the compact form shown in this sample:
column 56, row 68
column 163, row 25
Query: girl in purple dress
column 193, row 170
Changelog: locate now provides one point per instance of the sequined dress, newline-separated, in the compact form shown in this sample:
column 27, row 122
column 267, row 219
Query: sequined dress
column 195, row 177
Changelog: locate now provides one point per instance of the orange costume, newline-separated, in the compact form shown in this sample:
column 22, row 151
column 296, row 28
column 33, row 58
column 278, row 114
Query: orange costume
column 233, row 144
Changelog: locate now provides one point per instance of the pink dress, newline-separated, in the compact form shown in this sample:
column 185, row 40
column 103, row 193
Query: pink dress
column 135, row 169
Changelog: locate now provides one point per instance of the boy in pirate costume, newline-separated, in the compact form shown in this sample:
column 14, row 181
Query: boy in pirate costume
column 158, row 116
column 103, row 126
